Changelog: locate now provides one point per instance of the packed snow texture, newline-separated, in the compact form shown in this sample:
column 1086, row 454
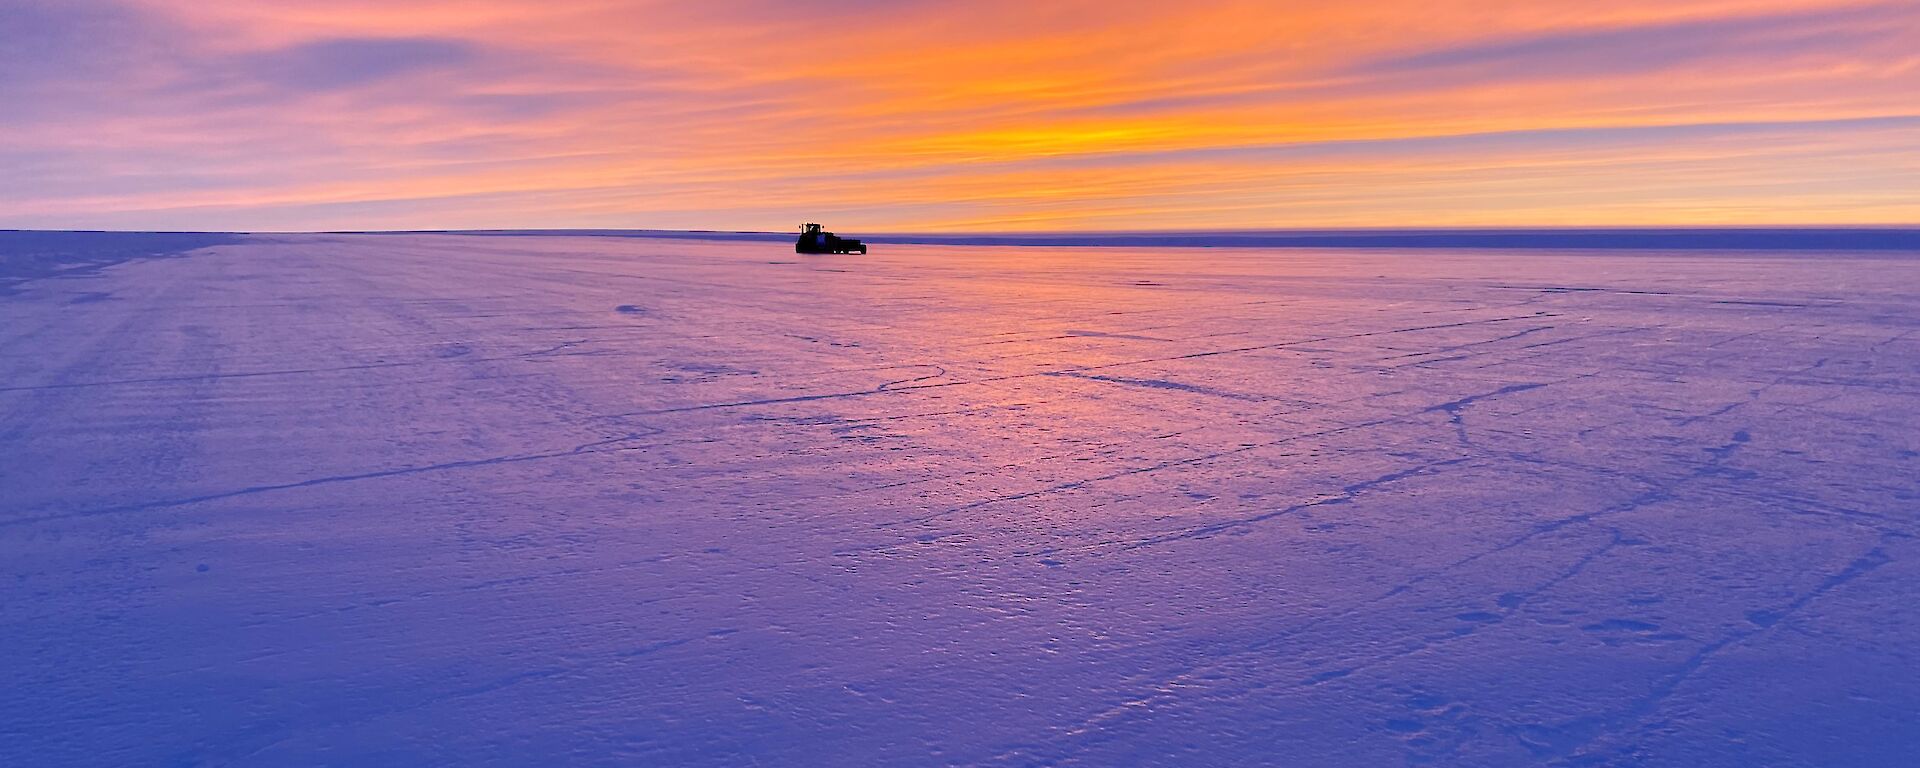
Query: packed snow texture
column 531, row 501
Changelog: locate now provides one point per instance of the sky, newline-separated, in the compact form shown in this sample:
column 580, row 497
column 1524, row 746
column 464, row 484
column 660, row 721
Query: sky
column 958, row 115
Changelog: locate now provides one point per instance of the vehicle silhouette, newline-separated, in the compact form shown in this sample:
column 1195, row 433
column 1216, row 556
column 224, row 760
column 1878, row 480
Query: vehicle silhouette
column 813, row 239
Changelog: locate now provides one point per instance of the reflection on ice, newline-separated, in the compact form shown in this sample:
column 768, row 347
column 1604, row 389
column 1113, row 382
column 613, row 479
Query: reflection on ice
column 451, row 499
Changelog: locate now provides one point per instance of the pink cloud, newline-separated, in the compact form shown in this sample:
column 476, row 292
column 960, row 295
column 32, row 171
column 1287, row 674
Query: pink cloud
column 234, row 114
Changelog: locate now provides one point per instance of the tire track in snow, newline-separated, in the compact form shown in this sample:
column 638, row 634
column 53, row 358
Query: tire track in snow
column 593, row 447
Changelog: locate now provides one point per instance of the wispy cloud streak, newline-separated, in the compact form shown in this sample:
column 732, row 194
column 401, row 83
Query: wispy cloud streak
column 987, row 114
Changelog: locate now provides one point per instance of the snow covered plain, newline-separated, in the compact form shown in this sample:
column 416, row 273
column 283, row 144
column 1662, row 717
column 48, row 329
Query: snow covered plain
column 458, row 500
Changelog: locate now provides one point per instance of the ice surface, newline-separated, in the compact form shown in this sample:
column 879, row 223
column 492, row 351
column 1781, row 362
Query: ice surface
column 456, row 500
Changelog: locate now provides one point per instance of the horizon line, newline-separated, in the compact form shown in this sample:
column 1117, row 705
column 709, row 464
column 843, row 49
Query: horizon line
column 1855, row 237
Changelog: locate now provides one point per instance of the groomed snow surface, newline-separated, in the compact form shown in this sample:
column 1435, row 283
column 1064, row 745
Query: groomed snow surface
column 535, row 501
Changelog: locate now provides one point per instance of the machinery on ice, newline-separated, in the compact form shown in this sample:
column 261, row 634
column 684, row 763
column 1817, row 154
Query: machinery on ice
column 813, row 239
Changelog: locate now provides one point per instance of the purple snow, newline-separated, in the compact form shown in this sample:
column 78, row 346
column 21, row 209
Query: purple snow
column 548, row 500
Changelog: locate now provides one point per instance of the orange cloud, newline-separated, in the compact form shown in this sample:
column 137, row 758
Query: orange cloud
column 243, row 114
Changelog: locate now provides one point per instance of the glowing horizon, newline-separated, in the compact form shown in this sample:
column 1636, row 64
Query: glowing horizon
column 978, row 116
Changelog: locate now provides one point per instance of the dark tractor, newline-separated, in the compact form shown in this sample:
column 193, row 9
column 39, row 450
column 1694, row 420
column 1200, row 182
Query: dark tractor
column 813, row 239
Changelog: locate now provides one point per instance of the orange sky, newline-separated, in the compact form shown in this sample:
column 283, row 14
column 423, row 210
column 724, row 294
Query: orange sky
column 996, row 115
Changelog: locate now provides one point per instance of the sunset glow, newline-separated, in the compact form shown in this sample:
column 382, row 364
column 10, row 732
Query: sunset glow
column 963, row 116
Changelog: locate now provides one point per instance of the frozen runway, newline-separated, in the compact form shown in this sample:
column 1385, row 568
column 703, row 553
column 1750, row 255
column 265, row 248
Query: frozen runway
column 527, row 501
